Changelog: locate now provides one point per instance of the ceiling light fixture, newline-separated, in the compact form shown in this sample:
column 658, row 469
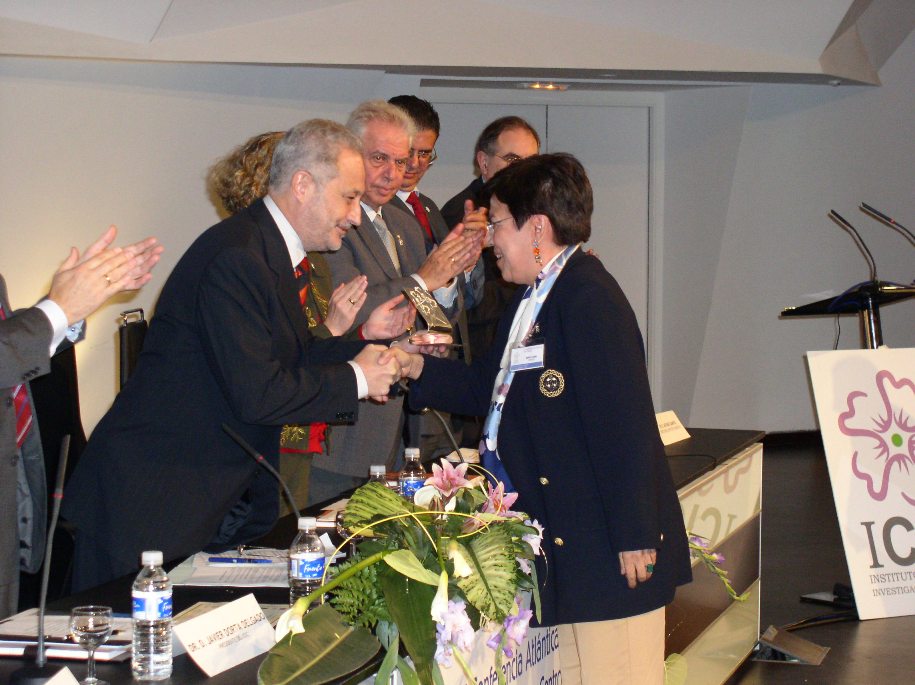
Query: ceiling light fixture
column 548, row 85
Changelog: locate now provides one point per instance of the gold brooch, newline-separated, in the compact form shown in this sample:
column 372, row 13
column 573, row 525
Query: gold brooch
column 552, row 383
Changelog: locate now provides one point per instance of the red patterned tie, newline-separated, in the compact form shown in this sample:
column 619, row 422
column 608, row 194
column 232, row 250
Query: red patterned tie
column 22, row 404
column 421, row 216
column 303, row 280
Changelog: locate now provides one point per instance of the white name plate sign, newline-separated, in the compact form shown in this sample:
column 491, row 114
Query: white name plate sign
column 670, row 428
column 227, row 636
column 63, row 677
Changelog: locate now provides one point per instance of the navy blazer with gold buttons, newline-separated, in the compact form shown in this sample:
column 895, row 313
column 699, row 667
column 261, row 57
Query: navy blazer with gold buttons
column 580, row 443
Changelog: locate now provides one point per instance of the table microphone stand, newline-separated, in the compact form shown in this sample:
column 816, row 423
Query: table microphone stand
column 40, row 671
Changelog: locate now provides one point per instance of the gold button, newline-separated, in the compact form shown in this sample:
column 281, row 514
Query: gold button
column 544, row 480
column 559, row 542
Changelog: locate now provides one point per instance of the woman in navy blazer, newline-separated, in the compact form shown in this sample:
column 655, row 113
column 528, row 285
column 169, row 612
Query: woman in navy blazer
column 577, row 435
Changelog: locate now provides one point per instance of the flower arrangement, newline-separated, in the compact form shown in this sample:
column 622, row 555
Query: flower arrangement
column 699, row 548
column 426, row 574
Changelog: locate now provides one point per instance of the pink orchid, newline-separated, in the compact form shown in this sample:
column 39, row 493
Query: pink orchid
column 499, row 502
column 447, row 479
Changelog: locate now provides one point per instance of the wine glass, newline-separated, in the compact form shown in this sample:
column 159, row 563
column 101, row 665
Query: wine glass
column 344, row 533
column 90, row 626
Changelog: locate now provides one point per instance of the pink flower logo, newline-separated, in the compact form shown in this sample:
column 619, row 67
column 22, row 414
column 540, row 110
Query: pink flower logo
column 883, row 423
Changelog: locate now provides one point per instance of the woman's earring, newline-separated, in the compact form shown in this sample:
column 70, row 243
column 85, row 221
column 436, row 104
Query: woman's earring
column 537, row 257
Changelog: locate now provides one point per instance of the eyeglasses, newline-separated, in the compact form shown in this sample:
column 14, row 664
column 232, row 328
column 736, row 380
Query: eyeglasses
column 380, row 159
column 491, row 226
column 510, row 158
column 425, row 156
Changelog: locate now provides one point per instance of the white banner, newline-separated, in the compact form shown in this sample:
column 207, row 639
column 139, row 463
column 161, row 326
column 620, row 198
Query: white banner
column 865, row 402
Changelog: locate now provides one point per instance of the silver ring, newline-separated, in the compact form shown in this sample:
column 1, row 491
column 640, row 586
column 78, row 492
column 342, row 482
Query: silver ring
column 107, row 280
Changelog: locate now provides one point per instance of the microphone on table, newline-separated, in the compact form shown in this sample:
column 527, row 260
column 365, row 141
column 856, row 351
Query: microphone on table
column 441, row 420
column 889, row 221
column 40, row 672
column 839, row 219
column 260, row 459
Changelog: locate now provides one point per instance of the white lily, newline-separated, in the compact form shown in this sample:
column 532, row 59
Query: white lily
column 461, row 568
column 440, row 604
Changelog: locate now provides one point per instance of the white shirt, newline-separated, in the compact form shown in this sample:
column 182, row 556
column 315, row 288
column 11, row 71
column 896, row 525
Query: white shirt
column 59, row 327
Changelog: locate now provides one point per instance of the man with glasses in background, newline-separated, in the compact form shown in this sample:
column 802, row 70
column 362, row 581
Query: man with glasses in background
column 388, row 247
column 503, row 142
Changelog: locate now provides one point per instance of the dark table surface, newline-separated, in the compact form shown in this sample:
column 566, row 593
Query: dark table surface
column 688, row 459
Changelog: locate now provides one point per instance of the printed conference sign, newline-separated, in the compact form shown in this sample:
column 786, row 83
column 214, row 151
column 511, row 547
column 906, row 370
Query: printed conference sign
column 865, row 402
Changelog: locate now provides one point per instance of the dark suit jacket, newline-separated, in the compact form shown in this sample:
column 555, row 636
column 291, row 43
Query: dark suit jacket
column 496, row 292
column 588, row 462
column 453, row 210
column 228, row 343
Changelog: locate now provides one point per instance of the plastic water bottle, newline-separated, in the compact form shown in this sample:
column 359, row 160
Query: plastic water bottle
column 377, row 474
column 306, row 560
column 152, row 620
column 412, row 477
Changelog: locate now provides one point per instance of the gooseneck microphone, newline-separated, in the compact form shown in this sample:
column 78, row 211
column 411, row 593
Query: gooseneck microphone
column 889, row 221
column 260, row 459
column 839, row 219
column 40, row 672
column 441, row 420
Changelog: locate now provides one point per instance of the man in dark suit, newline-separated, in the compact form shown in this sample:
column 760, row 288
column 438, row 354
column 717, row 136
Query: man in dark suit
column 28, row 339
column 502, row 142
column 388, row 247
column 228, row 345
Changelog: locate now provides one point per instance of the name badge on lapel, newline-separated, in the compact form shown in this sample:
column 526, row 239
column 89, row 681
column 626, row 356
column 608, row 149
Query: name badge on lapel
column 528, row 357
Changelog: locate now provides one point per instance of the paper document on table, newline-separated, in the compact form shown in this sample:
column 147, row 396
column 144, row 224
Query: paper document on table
column 19, row 635
column 328, row 516
column 198, row 570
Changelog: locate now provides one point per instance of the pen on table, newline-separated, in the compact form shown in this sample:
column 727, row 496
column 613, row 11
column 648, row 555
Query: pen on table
column 237, row 560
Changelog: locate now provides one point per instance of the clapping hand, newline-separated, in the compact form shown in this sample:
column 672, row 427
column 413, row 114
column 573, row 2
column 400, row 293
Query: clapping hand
column 84, row 282
column 345, row 302
column 389, row 319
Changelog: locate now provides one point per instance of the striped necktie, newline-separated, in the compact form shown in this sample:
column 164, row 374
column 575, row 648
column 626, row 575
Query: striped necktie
column 382, row 228
column 22, row 405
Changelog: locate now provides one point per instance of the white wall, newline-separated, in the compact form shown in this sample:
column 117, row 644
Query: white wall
column 749, row 174
column 85, row 144
column 800, row 152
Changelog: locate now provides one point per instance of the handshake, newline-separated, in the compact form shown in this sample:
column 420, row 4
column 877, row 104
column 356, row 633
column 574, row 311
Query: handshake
column 385, row 366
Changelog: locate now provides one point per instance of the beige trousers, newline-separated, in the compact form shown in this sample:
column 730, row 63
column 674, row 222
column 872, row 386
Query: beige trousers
column 625, row 651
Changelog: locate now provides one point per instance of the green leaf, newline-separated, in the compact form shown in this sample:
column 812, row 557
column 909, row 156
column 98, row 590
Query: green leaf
column 327, row 650
column 675, row 669
column 405, row 562
column 491, row 589
column 383, row 677
column 408, row 603
column 407, row 674
column 371, row 502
